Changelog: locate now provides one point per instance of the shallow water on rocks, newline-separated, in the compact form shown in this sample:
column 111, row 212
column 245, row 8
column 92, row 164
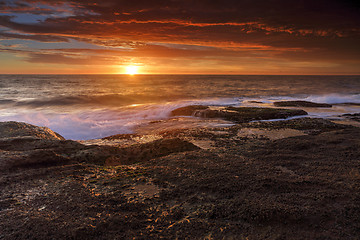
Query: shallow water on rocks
column 272, row 134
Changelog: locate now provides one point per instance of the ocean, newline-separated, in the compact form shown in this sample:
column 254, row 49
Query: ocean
column 82, row 107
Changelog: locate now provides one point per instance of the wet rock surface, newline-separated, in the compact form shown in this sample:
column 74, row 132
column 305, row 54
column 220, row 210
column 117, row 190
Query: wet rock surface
column 299, row 187
column 144, row 152
column 354, row 116
column 238, row 114
column 311, row 126
column 301, row 104
column 188, row 110
column 27, row 146
column 10, row 130
column 349, row 103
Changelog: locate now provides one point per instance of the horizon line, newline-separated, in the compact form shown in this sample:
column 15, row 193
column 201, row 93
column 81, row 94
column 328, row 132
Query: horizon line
column 190, row 74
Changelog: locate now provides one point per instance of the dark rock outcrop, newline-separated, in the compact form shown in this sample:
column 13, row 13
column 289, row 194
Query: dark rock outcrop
column 147, row 151
column 354, row 116
column 21, row 130
column 301, row 104
column 312, row 126
column 348, row 103
column 238, row 114
column 302, row 187
column 121, row 136
column 188, row 110
column 27, row 146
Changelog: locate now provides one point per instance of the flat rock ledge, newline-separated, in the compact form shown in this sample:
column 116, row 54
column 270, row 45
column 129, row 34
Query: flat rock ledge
column 238, row 114
column 354, row 116
column 301, row 104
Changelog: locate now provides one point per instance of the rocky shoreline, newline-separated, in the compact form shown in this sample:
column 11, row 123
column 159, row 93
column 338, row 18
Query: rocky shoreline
column 293, row 179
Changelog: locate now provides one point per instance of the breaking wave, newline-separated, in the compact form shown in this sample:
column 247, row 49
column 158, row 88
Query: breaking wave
column 335, row 98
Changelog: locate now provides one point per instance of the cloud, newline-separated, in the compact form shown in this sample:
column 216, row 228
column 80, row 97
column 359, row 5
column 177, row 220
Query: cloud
column 12, row 7
column 40, row 38
column 322, row 18
column 306, row 30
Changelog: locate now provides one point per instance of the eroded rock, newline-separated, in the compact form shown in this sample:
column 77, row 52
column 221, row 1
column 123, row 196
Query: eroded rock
column 147, row 151
column 301, row 104
column 20, row 129
column 235, row 190
column 238, row 114
column 311, row 126
column 354, row 116
column 188, row 110
column 27, row 146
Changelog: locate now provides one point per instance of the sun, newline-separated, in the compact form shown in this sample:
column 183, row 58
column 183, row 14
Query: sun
column 132, row 70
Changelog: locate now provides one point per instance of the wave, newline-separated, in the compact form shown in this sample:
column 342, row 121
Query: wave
column 335, row 98
column 98, row 100
column 110, row 100
column 85, row 123
column 324, row 98
column 121, row 100
column 6, row 101
column 91, row 124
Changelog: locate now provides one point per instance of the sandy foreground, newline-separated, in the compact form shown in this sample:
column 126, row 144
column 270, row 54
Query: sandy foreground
column 295, row 179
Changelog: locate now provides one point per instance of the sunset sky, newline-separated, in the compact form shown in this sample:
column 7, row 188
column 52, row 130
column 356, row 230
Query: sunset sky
column 180, row 36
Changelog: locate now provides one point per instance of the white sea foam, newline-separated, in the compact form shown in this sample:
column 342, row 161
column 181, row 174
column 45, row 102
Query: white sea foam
column 89, row 124
column 324, row 98
column 334, row 98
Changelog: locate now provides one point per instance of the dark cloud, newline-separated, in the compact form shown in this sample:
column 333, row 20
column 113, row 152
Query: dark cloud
column 157, row 51
column 40, row 38
column 61, row 58
column 23, row 7
column 228, row 20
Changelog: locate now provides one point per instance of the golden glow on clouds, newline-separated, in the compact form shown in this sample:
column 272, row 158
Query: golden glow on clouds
column 175, row 37
column 132, row 70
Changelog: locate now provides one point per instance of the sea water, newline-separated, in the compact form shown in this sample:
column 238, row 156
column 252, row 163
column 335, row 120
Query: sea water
column 84, row 107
